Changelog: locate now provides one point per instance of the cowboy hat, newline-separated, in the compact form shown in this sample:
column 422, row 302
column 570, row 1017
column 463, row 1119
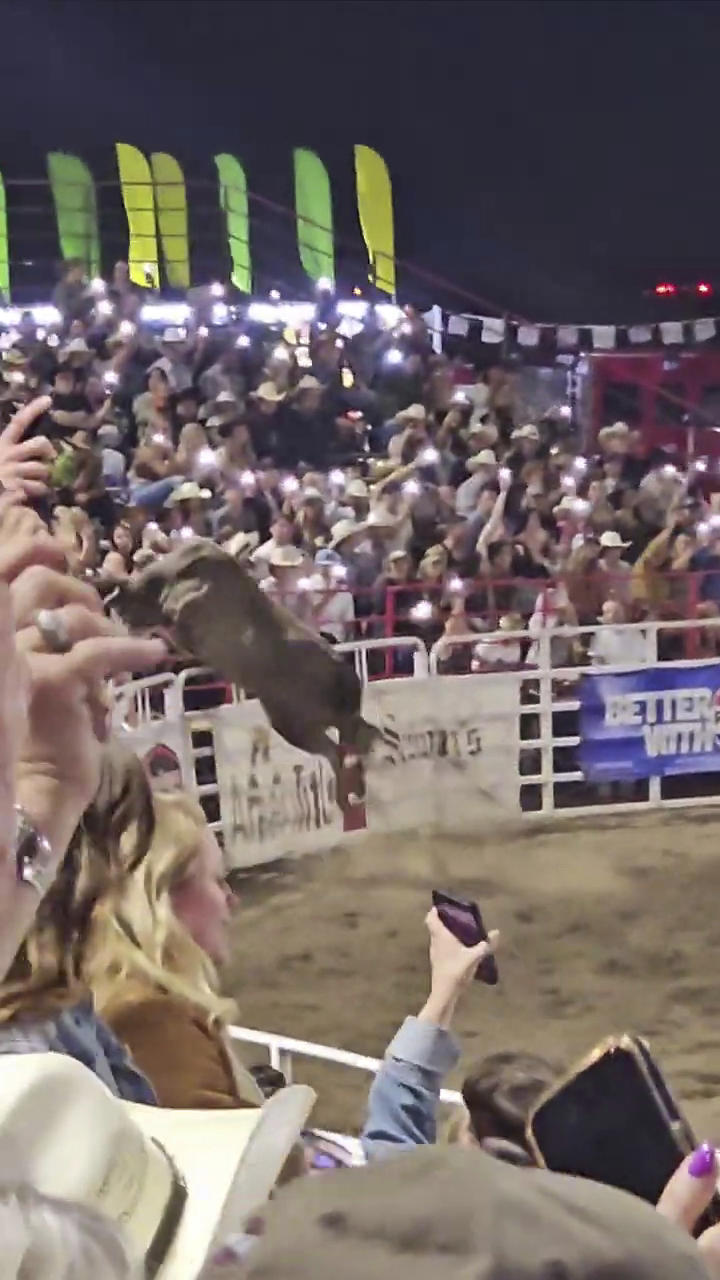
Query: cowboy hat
column 611, row 538
column 242, row 543
column 443, row 1212
column 356, row 489
column 286, row 557
column 413, row 413
column 309, row 383
column 269, row 392
column 528, row 432
column 342, row 530
column 173, row 335
column 76, row 347
column 485, row 458
column 176, row 1182
column 189, row 491
column 14, row 355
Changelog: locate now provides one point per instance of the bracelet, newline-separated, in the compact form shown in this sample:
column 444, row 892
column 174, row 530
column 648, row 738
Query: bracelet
column 34, row 861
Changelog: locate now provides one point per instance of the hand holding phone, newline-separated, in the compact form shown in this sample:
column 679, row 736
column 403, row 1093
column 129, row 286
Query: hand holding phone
column 465, row 923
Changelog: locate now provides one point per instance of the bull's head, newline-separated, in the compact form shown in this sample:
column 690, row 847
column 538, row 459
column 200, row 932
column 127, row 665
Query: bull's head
column 154, row 599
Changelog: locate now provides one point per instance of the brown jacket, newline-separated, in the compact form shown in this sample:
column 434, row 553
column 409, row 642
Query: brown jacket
column 189, row 1062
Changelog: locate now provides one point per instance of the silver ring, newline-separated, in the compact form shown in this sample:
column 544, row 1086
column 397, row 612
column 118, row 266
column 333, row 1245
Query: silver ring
column 51, row 625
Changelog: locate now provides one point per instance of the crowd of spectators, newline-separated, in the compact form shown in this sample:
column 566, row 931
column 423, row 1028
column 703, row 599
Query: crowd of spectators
column 372, row 485
column 133, row 1141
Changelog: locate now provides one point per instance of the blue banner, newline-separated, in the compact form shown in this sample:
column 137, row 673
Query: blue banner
column 649, row 723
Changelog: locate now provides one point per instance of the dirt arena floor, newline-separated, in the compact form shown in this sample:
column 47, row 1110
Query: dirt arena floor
column 607, row 927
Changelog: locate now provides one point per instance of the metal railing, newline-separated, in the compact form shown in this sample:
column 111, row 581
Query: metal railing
column 282, row 1051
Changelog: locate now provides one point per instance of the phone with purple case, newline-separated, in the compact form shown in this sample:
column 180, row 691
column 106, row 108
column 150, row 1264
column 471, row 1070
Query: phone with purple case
column 464, row 921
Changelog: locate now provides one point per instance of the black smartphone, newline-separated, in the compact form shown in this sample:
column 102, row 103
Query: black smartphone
column 464, row 921
column 615, row 1120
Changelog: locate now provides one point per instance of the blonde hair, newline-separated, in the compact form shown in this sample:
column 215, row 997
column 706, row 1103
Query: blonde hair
column 135, row 934
column 49, row 1239
column 111, row 840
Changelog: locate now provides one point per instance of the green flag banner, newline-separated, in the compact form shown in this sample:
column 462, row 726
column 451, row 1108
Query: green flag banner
column 375, row 210
column 73, row 192
column 139, row 201
column 313, row 207
column 234, row 202
column 172, row 217
column 4, row 246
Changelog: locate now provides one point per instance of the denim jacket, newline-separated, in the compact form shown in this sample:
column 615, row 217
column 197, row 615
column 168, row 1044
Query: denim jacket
column 405, row 1092
column 81, row 1034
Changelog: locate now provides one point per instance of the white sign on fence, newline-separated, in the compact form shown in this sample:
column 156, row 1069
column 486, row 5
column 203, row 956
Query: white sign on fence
column 448, row 755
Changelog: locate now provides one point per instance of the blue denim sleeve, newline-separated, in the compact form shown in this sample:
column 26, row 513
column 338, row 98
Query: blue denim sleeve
column 405, row 1092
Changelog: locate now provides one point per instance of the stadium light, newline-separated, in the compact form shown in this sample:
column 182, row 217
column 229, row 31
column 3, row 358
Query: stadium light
column 665, row 290
column 704, row 288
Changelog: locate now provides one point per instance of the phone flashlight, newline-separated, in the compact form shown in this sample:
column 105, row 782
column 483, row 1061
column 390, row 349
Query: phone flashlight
column 290, row 484
column 411, row 487
column 430, row 455
column 421, row 611
column 337, row 477
column 111, row 378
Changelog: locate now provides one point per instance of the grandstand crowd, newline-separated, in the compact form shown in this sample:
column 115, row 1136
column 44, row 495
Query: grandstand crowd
column 372, row 485
column 376, row 488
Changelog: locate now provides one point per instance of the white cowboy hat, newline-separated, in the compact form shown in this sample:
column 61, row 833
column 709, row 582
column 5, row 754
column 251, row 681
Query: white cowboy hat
column 176, row 1182
column 342, row 530
column 309, row 383
column 76, row 347
column 357, row 489
column 189, row 491
column 286, row 557
column 611, row 538
column 268, row 391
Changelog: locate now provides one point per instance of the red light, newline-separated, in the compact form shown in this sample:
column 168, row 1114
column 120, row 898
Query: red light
column 704, row 288
column 664, row 289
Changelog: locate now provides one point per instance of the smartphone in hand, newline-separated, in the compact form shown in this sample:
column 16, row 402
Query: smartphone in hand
column 465, row 923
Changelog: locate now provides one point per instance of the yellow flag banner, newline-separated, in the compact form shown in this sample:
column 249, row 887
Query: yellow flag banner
column 139, row 201
column 73, row 193
column 234, row 202
column 172, row 217
column 375, row 211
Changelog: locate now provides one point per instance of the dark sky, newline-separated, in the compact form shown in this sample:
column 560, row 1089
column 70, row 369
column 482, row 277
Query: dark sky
column 555, row 157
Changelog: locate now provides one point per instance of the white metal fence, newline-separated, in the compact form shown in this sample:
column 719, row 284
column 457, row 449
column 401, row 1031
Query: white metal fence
column 549, row 780
column 283, row 1050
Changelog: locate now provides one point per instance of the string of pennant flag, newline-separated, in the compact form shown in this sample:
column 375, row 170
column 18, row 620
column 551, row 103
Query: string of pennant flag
column 576, row 337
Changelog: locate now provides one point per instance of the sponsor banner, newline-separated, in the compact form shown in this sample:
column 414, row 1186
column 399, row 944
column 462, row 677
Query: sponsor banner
column 447, row 755
column 449, row 750
column 275, row 800
column 649, row 723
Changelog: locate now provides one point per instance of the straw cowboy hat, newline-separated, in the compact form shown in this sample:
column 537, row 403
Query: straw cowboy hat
column 268, row 391
column 413, row 413
column 485, row 458
column 286, row 558
column 176, row 1182
column 241, row 544
column 528, row 432
column 189, row 491
column 342, row 530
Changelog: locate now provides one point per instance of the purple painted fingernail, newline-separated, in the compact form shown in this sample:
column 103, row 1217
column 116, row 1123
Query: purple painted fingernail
column 702, row 1161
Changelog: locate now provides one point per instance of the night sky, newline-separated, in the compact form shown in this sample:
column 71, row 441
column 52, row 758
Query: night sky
column 553, row 158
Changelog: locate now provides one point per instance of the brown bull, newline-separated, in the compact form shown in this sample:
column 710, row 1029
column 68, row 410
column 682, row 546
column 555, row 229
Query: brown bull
column 219, row 615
